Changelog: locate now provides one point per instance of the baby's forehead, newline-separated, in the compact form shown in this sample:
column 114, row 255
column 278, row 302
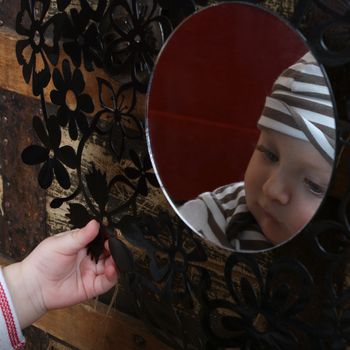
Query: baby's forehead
column 300, row 106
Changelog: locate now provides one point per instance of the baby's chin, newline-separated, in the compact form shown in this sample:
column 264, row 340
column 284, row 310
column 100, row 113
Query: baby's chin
column 274, row 229
column 276, row 232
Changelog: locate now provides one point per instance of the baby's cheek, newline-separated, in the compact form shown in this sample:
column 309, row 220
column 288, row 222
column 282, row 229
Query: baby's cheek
column 250, row 192
column 302, row 217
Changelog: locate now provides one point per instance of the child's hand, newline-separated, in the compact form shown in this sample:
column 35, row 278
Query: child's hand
column 58, row 273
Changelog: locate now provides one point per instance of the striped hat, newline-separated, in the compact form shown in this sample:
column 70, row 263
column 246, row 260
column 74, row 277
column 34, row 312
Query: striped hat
column 300, row 106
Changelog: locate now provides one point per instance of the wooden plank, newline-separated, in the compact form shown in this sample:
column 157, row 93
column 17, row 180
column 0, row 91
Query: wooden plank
column 10, row 71
column 87, row 328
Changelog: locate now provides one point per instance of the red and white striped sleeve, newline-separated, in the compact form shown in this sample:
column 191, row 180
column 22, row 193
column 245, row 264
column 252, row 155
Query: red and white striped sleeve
column 11, row 336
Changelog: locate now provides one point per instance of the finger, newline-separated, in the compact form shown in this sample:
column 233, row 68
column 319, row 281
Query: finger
column 106, row 263
column 111, row 265
column 106, row 250
column 106, row 281
column 111, row 272
column 99, row 267
column 65, row 232
column 73, row 241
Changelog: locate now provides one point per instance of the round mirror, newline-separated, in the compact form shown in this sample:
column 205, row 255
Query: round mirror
column 241, row 127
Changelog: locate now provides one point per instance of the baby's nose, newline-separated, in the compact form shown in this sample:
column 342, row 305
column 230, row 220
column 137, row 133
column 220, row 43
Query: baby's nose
column 276, row 189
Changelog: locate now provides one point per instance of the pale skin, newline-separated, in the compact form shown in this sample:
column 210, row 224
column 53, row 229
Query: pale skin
column 58, row 273
column 285, row 182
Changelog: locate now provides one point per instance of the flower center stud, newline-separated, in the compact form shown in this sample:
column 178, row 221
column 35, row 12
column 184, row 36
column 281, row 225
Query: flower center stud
column 80, row 40
column 260, row 323
column 179, row 257
column 137, row 38
column 36, row 38
column 71, row 100
column 51, row 154
column 105, row 221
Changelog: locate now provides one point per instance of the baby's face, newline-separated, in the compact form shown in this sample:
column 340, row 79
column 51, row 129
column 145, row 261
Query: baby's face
column 285, row 182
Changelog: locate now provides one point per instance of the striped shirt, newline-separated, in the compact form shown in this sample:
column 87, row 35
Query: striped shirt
column 223, row 218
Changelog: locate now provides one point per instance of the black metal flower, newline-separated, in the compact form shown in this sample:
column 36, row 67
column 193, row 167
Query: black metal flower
column 40, row 48
column 73, row 103
column 141, row 172
column 264, row 314
column 51, row 154
column 170, row 249
column 133, row 33
column 119, row 106
column 83, row 40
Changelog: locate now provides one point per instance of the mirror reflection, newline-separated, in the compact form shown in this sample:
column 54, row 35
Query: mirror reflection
column 241, row 127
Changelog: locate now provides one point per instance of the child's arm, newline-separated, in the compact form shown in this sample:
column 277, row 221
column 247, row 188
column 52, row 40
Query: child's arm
column 58, row 273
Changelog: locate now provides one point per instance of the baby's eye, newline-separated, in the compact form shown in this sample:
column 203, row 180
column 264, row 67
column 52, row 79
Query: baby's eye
column 270, row 155
column 314, row 188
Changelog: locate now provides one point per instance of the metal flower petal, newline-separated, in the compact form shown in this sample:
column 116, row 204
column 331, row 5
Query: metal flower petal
column 61, row 174
column 45, row 177
column 67, row 156
column 34, row 154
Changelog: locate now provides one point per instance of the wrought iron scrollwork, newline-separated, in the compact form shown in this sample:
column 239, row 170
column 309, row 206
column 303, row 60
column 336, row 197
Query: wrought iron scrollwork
column 77, row 33
column 269, row 302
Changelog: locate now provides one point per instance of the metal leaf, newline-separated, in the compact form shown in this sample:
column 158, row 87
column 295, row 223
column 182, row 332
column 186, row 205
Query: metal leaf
column 98, row 187
column 121, row 255
column 78, row 215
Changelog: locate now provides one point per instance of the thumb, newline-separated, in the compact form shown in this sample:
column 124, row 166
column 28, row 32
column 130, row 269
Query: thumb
column 73, row 241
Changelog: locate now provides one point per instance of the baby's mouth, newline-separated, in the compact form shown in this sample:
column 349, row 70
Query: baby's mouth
column 267, row 213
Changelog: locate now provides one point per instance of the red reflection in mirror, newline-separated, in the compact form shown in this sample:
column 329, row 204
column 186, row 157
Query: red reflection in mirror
column 207, row 93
